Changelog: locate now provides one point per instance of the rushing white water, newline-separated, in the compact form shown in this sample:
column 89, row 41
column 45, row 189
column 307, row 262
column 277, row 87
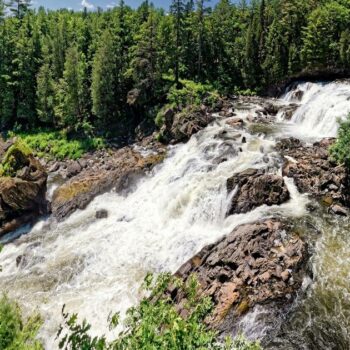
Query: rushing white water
column 96, row 266
column 322, row 106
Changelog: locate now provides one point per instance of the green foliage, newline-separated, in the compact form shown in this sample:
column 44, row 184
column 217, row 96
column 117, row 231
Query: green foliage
column 156, row 324
column 57, row 145
column 15, row 334
column 340, row 151
column 192, row 93
column 104, row 86
column 14, row 158
column 105, row 69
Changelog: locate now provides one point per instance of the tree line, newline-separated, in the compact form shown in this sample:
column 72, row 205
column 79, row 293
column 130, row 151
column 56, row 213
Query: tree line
column 112, row 69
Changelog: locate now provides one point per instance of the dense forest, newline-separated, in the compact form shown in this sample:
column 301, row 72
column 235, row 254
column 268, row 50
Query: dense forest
column 83, row 71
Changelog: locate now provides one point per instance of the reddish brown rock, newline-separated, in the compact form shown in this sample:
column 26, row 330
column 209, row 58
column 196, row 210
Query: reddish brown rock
column 313, row 170
column 256, row 264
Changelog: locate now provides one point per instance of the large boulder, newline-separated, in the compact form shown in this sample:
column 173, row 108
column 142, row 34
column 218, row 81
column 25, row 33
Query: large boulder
column 258, row 263
column 253, row 188
column 181, row 126
column 22, row 186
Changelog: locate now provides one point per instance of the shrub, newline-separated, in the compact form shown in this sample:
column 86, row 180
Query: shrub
column 340, row 151
column 156, row 324
column 57, row 145
column 14, row 333
column 192, row 93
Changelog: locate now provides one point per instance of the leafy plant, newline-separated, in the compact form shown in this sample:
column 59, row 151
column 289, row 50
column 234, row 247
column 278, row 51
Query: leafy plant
column 340, row 151
column 16, row 334
column 156, row 323
column 57, row 144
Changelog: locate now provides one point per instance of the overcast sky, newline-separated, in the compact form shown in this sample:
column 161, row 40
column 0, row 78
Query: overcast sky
column 91, row 4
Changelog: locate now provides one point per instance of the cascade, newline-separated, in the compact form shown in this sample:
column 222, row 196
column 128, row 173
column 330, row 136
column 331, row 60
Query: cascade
column 96, row 266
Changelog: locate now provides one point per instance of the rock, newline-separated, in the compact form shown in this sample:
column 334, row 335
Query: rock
column 235, row 122
column 101, row 214
column 188, row 122
column 253, row 188
column 22, row 187
column 245, row 269
column 54, row 167
column 313, row 170
column 73, row 169
column 271, row 108
column 327, row 200
column 100, row 176
column 338, row 210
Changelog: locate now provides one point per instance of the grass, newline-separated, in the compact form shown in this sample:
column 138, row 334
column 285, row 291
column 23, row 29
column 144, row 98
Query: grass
column 58, row 145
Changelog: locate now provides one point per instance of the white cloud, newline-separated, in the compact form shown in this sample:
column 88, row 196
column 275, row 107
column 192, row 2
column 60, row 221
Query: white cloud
column 87, row 4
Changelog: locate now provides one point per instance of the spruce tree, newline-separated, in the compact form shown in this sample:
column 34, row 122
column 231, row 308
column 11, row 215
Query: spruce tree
column 72, row 91
column 177, row 9
column 45, row 90
column 104, row 81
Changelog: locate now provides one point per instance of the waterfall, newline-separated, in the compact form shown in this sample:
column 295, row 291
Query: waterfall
column 322, row 107
column 96, row 266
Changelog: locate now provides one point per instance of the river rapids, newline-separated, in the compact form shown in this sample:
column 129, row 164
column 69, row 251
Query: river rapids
column 95, row 267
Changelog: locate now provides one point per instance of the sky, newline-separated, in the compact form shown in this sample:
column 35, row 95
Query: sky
column 92, row 4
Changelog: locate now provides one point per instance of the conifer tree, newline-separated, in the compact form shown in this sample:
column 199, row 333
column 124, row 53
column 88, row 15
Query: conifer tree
column 105, row 81
column 72, row 91
column 177, row 9
column 45, row 90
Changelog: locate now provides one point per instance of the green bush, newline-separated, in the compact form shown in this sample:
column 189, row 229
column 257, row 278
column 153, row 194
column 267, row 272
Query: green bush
column 57, row 145
column 340, row 151
column 14, row 333
column 156, row 324
column 192, row 93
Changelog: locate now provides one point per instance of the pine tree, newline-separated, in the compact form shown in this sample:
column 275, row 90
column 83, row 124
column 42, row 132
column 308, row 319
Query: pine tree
column 177, row 9
column 45, row 90
column 20, row 7
column 72, row 91
column 146, row 71
column 200, row 36
column 105, row 81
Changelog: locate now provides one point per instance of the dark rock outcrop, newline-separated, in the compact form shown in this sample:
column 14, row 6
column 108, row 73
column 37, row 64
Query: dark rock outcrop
column 22, row 187
column 257, row 263
column 254, row 188
column 180, row 125
column 313, row 170
column 189, row 122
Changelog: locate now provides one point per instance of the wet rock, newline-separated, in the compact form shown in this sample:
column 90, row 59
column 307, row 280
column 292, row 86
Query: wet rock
column 187, row 123
column 101, row 214
column 246, row 268
column 235, row 122
column 314, row 171
column 338, row 210
column 271, row 108
column 254, row 188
